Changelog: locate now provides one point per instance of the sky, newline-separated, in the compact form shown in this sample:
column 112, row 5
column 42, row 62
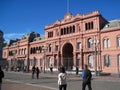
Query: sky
column 18, row 17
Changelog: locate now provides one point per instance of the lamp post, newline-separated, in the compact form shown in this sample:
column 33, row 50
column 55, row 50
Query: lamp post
column 58, row 58
column 44, row 49
column 95, row 43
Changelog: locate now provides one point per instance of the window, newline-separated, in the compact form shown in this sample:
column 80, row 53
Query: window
column 34, row 50
column 78, row 46
column 90, row 61
column 31, row 51
column 105, row 43
column 50, row 34
column 64, row 30
column 119, row 60
column 89, row 43
column 107, row 60
column 24, row 51
column 89, row 25
column 56, row 48
column 40, row 49
column 118, row 41
column 61, row 31
column 50, row 61
column 68, row 30
column 50, row 48
column 108, row 43
column 92, row 26
column 73, row 29
column 86, row 27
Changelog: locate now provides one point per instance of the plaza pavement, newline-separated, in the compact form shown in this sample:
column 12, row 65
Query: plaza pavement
column 48, row 81
column 72, row 76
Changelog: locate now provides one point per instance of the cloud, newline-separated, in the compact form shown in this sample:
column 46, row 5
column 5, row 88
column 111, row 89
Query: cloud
column 12, row 36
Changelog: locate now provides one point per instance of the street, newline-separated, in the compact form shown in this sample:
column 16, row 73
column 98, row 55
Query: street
column 48, row 81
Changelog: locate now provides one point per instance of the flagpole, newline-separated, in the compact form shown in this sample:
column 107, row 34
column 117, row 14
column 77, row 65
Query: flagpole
column 68, row 6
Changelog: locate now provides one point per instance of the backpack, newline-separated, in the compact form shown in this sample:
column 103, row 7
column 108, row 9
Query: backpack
column 88, row 76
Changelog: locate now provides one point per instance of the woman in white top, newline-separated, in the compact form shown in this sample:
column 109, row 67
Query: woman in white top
column 62, row 83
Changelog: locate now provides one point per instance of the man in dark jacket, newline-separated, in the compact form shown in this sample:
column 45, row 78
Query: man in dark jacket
column 1, row 76
column 86, row 77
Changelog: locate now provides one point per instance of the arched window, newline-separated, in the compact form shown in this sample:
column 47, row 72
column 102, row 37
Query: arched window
column 67, row 30
column 92, row 25
column 34, row 50
column 90, row 61
column 40, row 49
column 70, row 29
column 86, row 26
column 89, row 43
column 108, row 43
column 31, row 51
column 105, row 43
column 61, row 31
column 118, row 41
column 78, row 45
column 50, row 61
column 73, row 28
column 107, row 60
column 24, row 50
column 64, row 31
column 89, row 25
column 50, row 48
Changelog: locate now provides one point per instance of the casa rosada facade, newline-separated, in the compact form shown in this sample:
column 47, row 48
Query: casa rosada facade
column 73, row 41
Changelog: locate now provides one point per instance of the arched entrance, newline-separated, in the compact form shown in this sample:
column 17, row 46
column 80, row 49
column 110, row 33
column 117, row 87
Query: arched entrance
column 68, row 56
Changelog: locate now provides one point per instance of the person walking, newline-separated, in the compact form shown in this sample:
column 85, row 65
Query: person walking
column 1, row 76
column 62, row 83
column 86, row 77
column 77, row 70
column 33, row 71
column 37, row 72
column 51, row 68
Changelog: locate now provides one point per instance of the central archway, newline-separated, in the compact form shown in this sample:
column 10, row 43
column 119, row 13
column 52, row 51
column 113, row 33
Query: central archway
column 68, row 56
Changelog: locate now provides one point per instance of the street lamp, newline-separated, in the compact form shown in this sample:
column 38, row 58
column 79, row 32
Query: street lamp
column 58, row 59
column 44, row 48
column 95, row 43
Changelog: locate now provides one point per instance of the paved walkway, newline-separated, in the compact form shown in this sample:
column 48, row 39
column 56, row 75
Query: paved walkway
column 72, row 76
column 48, row 81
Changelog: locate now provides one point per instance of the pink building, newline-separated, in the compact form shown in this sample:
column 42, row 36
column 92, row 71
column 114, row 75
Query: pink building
column 73, row 41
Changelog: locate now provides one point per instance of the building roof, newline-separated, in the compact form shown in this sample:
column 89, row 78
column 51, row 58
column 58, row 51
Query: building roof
column 38, row 38
column 112, row 24
column 26, row 36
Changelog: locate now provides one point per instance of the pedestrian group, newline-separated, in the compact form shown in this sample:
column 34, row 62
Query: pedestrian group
column 62, row 77
column 35, row 70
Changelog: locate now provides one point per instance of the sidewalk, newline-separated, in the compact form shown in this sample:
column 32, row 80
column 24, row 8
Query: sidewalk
column 71, row 76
